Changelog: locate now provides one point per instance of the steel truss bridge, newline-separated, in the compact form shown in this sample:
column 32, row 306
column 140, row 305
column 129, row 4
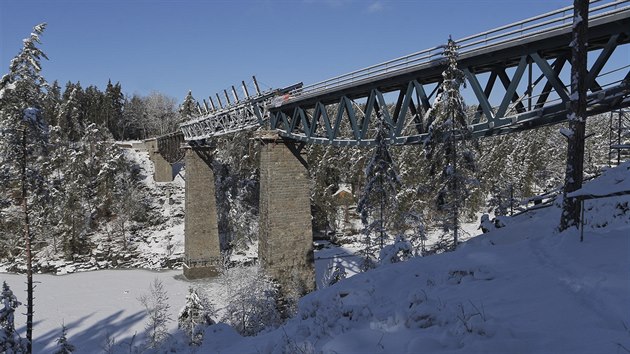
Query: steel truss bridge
column 515, row 73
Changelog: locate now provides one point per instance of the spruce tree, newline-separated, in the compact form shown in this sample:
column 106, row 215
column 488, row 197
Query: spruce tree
column 23, row 136
column 447, row 146
column 52, row 102
column 378, row 197
column 10, row 341
column 113, row 106
column 188, row 109
column 195, row 316
column 69, row 116
column 93, row 106
column 157, row 307
column 63, row 345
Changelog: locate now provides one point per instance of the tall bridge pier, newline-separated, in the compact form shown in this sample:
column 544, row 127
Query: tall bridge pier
column 285, row 242
column 163, row 170
column 285, row 249
column 202, row 251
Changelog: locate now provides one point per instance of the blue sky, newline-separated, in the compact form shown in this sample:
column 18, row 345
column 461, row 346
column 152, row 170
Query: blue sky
column 173, row 46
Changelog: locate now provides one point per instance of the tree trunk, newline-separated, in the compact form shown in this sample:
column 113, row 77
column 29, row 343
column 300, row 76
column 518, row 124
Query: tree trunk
column 577, row 116
column 27, row 240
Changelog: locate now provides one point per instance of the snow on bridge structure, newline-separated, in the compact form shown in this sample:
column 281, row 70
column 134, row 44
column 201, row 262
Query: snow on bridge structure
column 516, row 75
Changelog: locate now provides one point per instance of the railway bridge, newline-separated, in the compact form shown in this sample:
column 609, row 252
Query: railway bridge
column 517, row 79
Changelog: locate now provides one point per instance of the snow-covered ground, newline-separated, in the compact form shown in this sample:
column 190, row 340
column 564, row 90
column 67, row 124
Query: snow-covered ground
column 520, row 289
column 524, row 288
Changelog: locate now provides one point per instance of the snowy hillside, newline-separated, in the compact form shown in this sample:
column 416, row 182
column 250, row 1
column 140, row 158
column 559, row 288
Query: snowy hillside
column 520, row 289
column 157, row 243
column 162, row 245
column 523, row 288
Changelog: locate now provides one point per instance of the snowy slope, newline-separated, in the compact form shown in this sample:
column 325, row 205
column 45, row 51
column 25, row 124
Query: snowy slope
column 161, row 245
column 523, row 288
column 520, row 289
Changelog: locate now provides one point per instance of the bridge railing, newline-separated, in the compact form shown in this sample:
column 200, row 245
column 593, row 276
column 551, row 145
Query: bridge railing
column 547, row 22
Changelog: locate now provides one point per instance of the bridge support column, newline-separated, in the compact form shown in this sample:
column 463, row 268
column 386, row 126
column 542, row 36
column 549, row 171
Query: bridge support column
column 163, row 170
column 285, row 244
column 202, row 250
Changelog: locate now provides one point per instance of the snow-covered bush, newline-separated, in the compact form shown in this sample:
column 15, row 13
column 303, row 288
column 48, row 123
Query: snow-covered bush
column 400, row 251
column 10, row 341
column 253, row 306
column 335, row 274
column 195, row 316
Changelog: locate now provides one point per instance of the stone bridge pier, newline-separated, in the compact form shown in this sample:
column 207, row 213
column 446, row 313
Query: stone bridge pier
column 285, row 242
column 202, row 250
column 163, row 170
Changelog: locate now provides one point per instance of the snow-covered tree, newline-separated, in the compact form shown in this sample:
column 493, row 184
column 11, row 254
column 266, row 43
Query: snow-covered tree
column 188, row 108
column 378, row 202
column 161, row 112
column 338, row 273
column 418, row 234
column 63, row 345
column 70, row 118
column 574, row 175
column 195, row 316
column 112, row 109
column 52, row 102
column 23, row 136
column 447, row 146
column 134, row 118
column 10, row 341
column 253, row 305
column 399, row 251
column 156, row 305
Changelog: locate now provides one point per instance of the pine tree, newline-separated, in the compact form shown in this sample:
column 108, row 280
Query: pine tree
column 10, row 341
column 378, row 198
column 157, row 307
column 69, row 116
column 52, row 102
column 63, row 346
column 93, row 106
column 447, row 146
column 113, row 105
column 23, row 136
column 195, row 316
column 188, row 109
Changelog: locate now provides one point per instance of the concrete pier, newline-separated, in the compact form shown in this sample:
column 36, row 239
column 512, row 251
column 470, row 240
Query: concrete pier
column 202, row 250
column 285, row 245
column 163, row 170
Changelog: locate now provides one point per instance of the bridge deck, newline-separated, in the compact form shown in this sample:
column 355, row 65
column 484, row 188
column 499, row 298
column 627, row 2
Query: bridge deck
column 503, row 51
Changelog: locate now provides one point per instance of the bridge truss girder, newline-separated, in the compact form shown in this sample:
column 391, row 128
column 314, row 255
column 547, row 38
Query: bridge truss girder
column 248, row 114
column 348, row 116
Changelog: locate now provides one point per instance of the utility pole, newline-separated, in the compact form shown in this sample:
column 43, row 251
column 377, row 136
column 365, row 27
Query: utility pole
column 577, row 116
